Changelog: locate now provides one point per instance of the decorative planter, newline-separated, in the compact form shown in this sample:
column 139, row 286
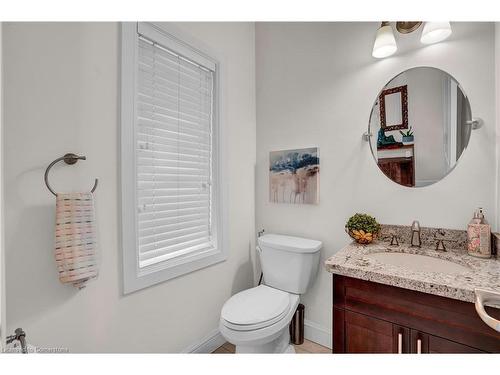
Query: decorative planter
column 361, row 237
column 408, row 139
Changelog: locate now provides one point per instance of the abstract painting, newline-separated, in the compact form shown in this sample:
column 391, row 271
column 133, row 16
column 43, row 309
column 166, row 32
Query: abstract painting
column 294, row 176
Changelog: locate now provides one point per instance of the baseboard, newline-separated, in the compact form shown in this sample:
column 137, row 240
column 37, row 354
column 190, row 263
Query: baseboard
column 208, row 344
column 317, row 333
column 312, row 332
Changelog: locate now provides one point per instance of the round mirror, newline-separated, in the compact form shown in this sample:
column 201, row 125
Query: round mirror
column 420, row 125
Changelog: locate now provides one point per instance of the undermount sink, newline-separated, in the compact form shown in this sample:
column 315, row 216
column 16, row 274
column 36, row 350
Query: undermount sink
column 420, row 263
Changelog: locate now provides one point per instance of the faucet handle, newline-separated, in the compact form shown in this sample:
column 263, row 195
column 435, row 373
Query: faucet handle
column 440, row 245
column 441, row 232
column 394, row 240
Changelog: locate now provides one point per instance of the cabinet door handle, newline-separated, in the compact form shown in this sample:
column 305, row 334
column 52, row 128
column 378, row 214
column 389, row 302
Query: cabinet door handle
column 400, row 343
column 419, row 346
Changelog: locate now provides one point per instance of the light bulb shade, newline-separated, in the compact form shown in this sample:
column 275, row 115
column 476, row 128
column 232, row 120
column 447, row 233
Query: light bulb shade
column 385, row 43
column 435, row 32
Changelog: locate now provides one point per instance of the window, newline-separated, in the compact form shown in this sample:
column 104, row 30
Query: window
column 171, row 206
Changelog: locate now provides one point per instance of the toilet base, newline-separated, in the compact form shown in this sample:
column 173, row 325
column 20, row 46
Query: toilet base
column 279, row 345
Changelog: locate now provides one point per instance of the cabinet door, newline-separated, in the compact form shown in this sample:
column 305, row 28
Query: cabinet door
column 365, row 334
column 422, row 343
column 399, row 170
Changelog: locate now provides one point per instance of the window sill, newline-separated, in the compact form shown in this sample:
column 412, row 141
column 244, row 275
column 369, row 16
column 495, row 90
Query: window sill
column 161, row 272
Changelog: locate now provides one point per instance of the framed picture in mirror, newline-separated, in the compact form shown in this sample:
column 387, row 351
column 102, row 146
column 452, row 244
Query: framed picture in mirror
column 394, row 108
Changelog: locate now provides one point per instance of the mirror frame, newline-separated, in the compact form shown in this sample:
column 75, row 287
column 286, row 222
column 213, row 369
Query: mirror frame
column 404, row 108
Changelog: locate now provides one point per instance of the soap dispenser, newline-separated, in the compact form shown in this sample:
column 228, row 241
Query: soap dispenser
column 479, row 236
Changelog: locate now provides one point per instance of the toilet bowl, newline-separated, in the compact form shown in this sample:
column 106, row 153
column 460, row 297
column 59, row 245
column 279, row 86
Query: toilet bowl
column 257, row 320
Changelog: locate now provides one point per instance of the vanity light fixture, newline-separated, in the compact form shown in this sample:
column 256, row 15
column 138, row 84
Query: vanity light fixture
column 385, row 43
column 435, row 32
column 407, row 26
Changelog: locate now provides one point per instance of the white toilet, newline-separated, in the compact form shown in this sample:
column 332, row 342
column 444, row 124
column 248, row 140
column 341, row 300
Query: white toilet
column 256, row 320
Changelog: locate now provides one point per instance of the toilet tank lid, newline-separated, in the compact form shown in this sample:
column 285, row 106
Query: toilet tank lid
column 289, row 243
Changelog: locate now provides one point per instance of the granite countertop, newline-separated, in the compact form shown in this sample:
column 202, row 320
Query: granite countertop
column 351, row 261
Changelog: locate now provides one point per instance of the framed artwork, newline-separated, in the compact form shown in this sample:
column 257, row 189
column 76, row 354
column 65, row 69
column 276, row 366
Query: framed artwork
column 294, row 176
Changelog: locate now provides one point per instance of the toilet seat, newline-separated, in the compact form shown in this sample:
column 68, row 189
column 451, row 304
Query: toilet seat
column 257, row 338
column 255, row 308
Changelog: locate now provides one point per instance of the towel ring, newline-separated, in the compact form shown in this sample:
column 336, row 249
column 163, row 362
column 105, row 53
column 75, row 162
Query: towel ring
column 69, row 159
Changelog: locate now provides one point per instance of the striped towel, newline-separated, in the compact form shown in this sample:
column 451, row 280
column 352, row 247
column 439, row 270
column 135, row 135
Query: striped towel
column 75, row 245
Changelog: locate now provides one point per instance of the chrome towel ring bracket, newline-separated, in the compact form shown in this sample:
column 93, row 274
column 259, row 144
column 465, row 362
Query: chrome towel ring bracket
column 69, row 159
column 483, row 296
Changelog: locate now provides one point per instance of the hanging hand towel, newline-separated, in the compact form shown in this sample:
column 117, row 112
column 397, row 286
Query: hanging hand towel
column 75, row 245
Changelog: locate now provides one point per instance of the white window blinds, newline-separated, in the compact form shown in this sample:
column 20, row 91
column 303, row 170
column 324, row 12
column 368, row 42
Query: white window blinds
column 173, row 136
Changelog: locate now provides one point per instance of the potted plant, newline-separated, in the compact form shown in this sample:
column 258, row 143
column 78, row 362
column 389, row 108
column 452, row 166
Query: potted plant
column 408, row 137
column 362, row 228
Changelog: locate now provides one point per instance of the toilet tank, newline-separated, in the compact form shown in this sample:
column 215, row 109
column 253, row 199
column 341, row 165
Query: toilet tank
column 289, row 263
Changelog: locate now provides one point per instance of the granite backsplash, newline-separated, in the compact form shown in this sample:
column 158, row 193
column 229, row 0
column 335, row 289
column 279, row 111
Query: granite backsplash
column 453, row 238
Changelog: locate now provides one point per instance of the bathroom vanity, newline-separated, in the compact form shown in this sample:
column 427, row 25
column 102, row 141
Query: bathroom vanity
column 401, row 299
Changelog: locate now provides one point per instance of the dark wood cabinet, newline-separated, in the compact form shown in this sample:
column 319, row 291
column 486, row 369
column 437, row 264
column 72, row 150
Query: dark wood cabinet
column 375, row 318
column 365, row 334
column 423, row 343
column 400, row 170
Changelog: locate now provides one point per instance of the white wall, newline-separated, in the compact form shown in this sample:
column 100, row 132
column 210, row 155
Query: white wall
column 61, row 95
column 497, row 108
column 316, row 84
column 3, row 333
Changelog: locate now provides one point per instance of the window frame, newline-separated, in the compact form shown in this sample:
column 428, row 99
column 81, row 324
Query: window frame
column 135, row 278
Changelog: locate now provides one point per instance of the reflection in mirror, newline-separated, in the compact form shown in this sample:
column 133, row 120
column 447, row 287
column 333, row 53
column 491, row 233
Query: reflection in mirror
column 393, row 107
column 393, row 113
column 420, row 125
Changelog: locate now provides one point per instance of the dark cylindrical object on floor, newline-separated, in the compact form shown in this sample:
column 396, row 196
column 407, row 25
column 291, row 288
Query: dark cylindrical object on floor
column 297, row 326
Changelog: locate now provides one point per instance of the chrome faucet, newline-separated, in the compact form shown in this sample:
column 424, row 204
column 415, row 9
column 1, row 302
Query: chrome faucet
column 415, row 234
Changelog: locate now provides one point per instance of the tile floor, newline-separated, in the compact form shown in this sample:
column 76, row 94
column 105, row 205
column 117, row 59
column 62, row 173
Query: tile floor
column 308, row 347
